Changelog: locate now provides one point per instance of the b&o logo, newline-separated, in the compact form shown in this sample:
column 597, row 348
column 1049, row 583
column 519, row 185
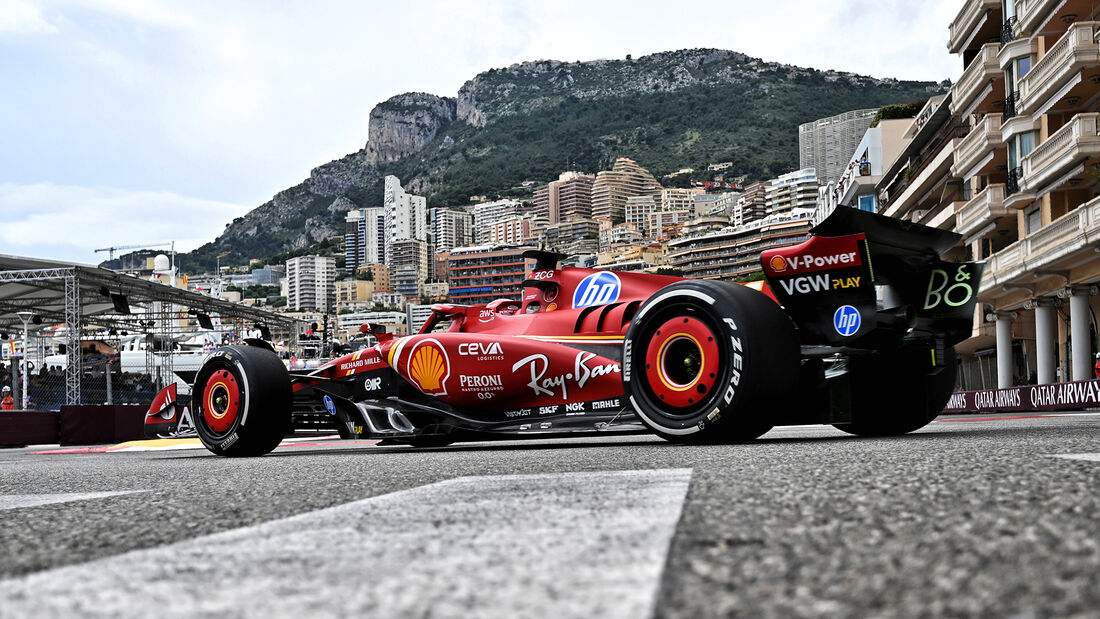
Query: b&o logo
column 846, row 320
column 597, row 289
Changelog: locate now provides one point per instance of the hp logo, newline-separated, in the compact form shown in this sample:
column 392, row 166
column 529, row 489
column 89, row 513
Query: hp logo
column 597, row 289
column 330, row 406
column 846, row 320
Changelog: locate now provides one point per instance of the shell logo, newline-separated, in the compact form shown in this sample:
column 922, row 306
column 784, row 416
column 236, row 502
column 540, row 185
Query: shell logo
column 429, row 367
column 778, row 264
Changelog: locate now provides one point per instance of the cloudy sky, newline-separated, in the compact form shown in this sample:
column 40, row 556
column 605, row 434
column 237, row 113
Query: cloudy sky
column 143, row 121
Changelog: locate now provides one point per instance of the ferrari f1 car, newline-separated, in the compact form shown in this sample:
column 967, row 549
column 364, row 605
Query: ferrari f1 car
column 855, row 327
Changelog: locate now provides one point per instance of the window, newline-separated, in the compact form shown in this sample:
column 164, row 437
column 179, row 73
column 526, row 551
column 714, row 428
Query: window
column 1023, row 65
column 1019, row 147
column 1034, row 220
column 867, row 203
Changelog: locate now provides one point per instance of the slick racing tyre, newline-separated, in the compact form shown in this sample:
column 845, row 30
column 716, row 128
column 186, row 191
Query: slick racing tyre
column 897, row 392
column 707, row 362
column 242, row 400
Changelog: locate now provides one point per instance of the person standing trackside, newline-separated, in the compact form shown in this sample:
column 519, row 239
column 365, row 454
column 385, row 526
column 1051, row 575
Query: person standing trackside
column 7, row 403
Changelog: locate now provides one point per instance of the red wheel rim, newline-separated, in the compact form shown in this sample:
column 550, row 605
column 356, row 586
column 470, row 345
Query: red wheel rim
column 681, row 362
column 221, row 401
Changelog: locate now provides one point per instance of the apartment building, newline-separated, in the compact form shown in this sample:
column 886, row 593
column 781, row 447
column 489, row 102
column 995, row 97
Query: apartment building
column 379, row 274
column 1031, row 162
column 875, row 153
column 826, row 144
column 574, row 237
column 566, row 198
column 613, row 187
column 353, row 294
column 450, row 229
column 794, row 190
column 638, row 209
column 489, row 213
column 513, row 231
column 481, row 274
column 751, row 205
column 409, row 266
column 405, row 216
column 310, row 283
column 364, row 237
column 734, row 252
column 675, row 199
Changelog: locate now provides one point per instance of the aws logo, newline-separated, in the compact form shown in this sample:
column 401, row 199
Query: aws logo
column 597, row 289
column 429, row 367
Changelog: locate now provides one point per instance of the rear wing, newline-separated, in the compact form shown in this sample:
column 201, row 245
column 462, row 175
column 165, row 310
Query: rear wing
column 864, row 278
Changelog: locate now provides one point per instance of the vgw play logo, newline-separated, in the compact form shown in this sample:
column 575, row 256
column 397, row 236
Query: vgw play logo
column 597, row 289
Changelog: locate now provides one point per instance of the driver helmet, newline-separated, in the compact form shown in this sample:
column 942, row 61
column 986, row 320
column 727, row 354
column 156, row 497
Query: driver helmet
column 7, row 389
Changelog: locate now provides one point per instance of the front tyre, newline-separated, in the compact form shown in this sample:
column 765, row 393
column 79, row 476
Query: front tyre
column 708, row 361
column 242, row 400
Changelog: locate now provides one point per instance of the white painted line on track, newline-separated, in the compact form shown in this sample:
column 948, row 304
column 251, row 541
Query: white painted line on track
column 16, row 501
column 551, row 545
column 1084, row 456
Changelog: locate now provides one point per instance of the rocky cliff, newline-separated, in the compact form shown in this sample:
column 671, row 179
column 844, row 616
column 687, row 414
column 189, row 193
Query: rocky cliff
column 531, row 120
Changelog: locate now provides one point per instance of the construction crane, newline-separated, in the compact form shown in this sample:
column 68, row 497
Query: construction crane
column 111, row 250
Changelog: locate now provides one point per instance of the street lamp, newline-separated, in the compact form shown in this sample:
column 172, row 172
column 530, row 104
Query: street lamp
column 26, row 318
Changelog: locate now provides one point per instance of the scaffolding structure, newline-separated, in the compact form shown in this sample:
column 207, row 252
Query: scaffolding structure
column 80, row 299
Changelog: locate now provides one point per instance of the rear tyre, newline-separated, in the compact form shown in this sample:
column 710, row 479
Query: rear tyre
column 242, row 401
column 710, row 362
column 893, row 393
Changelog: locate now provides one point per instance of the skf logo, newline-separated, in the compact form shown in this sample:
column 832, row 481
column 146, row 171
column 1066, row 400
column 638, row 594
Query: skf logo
column 597, row 289
column 429, row 367
column 778, row 264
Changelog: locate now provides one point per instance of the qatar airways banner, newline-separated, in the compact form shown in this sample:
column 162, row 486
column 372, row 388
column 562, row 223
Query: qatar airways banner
column 1054, row 397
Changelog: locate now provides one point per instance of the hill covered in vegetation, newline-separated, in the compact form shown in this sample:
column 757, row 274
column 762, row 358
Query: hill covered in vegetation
column 532, row 120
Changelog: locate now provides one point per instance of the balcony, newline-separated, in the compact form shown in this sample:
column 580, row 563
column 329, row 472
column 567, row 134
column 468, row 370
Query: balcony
column 945, row 218
column 1046, row 16
column 975, row 86
column 984, row 209
column 922, row 179
column 980, row 150
column 1057, row 246
column 974, row 23
column 1064, row 149
column 1060, row 70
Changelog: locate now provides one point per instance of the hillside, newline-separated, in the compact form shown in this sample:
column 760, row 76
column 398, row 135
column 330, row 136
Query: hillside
column 532, row 120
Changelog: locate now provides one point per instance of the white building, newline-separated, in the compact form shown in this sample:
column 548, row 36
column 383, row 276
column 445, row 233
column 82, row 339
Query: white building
column 310, row 283
column 485, row 215
column 451, row 229
column 825, row 144
column 405, row 215
column 796, row 189
column 364, row 237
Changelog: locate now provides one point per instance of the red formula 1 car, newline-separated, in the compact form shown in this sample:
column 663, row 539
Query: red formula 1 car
column 855, row 328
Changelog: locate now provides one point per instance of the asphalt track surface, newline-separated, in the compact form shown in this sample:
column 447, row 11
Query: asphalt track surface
column 971, row 516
